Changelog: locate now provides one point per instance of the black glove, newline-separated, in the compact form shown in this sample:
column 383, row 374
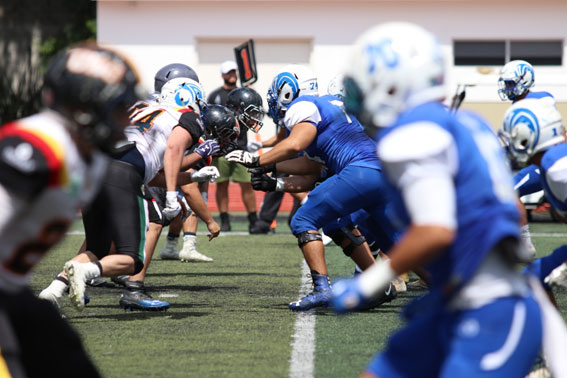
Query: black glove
column 263, row 182
column 263, row 169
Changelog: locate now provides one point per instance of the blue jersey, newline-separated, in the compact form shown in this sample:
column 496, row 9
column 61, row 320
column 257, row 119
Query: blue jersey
column 553, row 170
column 484, row 198
column 527, row 181
column 340, row 139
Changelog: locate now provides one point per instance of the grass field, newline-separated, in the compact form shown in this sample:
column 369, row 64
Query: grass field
column 229, row 318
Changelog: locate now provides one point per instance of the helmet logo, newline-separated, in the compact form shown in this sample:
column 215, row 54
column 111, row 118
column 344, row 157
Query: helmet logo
column 95, row 64
column 187, row 94
column 525, row 117
column 383, row 52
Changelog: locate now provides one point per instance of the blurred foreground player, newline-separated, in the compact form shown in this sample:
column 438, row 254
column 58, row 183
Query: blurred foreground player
column 50, row 166
column 453, row 193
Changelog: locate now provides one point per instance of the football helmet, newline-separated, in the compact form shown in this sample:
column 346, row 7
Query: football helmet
column 247, row 104
column 220, row 124
column 291, row 82
column 530, row 126
column 516, row 78
column 336, row 87
column 183, row 92
column 93, row 87
column 173, row 71
column 393, row 66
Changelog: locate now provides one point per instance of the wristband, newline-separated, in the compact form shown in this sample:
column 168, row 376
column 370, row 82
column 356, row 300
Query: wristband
column 280, row 185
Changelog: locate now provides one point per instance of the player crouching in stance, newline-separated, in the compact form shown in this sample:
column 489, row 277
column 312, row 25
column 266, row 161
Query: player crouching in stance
column 533, row 134
column 161, row 132
column 453, row 191
column 50, row 166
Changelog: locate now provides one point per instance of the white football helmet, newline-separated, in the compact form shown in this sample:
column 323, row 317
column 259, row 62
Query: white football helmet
column 530, row 126
column 393, row 67
column 336, row 87
column 516, row 78
column 183, row 92
column 291, row 82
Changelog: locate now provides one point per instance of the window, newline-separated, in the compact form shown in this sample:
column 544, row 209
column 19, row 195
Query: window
column 497, row 53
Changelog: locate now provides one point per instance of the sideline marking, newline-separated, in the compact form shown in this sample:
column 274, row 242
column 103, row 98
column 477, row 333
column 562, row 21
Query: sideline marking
column 229, row 233
column 303, row 344
column 549, row 234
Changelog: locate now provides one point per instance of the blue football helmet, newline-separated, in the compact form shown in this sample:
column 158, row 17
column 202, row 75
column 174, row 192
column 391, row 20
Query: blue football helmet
column 291, row 82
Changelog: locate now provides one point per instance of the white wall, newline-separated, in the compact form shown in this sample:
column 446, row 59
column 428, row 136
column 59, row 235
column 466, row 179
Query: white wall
column 202, row 34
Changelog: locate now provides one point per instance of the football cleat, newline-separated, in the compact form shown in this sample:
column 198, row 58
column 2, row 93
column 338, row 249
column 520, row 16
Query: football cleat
column 99, row 282
column 120, row 280
column 51, row 296
column 76, row 276
column 135, row 297
column 320, row 297
column 385, row 296
column 189, row 252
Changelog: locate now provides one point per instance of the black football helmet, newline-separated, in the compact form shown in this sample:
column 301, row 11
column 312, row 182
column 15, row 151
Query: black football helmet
column 247, row 104
column 221, row 124
column 94, row 88
column 172, row 71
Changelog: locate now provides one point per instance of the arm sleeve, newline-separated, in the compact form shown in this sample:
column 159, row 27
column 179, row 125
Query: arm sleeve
column 527, row 181
column 302, row 111
column 24, row 169
column 191, row 122
column 421, row 161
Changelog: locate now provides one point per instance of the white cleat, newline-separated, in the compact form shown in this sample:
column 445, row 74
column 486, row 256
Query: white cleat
column 190, row 254
column 77, row 281
column 558, row 277
column 50, row 296
column 169, row 251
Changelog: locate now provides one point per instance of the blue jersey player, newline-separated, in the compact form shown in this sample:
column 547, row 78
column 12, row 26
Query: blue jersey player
column 453, row 192
column 534, row 134
column 320, row 127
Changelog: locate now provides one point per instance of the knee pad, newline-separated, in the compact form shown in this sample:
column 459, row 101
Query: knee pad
column 306, row 237
column 346, row 233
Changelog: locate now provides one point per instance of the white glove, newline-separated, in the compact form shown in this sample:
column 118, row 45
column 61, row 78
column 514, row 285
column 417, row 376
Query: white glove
column 205, row 174
column 254, row 146
column 243, row 157
column 172, row 206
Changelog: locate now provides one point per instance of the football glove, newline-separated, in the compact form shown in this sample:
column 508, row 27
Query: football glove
column 208, row 148
column 243, row 157
column 263, row 182
column 172, row 206
column 263, row 169
column 205, row 174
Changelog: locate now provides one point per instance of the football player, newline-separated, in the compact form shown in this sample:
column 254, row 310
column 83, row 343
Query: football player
column 50, row 166
column 453, row 196
column 320, row 127
column 533, row 132
column 161, row 133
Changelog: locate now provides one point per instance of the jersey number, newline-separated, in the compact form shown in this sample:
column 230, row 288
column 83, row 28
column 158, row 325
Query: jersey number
column 146, row 123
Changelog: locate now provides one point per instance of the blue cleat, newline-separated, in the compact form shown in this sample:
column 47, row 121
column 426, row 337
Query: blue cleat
column 135, row 298
column 320, row 296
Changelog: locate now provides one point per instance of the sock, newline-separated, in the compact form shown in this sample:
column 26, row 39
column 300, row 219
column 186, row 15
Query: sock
column 252, row 218
column 57, row 287
column 224, row 218
column 189, row 236
column 92, row 270
column 172, row 237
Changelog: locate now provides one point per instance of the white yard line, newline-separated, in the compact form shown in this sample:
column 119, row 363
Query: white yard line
column 229, row 233
column 549, row 234
column 303, row 344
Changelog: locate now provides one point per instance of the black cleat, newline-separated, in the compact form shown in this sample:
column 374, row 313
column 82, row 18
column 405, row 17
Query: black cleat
column 134, row 297
column 388, row 295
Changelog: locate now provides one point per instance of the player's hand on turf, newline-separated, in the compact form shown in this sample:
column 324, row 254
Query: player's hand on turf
column 254, row 146
column 208, row 148
column 172, row 206
column 346, row 296
column 214, row 229
column 263, row 182
column 263, row 169
column 205, row 174
column 243, row 157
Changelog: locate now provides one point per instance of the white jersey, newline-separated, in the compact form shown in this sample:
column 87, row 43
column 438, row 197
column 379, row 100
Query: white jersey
column 151, row 126
column 43, row 183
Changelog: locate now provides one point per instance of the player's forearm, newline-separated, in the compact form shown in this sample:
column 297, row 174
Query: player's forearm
column 284, row 150
column 299, row 166
column 190, row 160
column 172, row 166
column 419, row 245
column 298, row 184
column 196, row 202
